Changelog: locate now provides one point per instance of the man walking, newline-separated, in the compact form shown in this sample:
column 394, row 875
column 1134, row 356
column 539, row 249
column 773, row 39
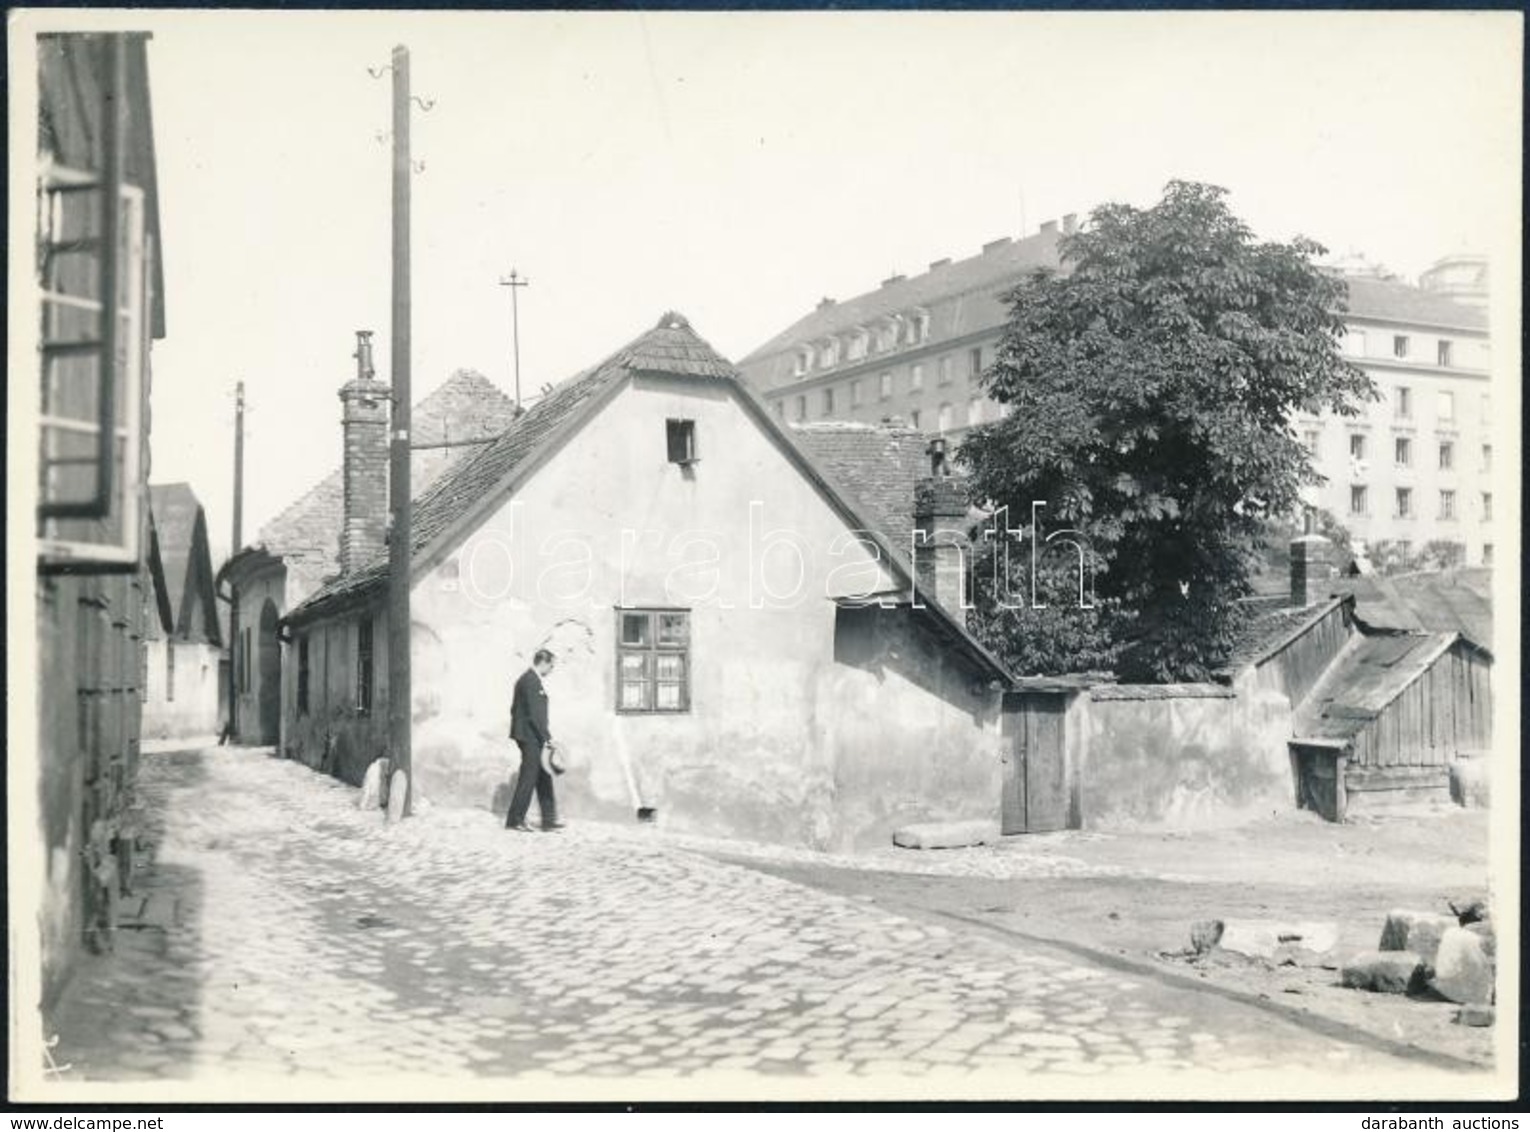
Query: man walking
column 529, row 729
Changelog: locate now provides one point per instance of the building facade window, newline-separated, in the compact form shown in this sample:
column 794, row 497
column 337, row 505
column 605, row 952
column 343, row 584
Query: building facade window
column 169, row 671
column 802, row 408
column 1404, row 402
column 975, row 361
column 1405, row 503
column 1487, row 506
column 653, row 660
column 828, row 401
column 1447, row 455
column 802, row 362
column 1487, row 457
column 1487, row 554
column 1445, row 407
column 828, row 353
column 1399, row 345
column 302, row 676
column 1447, row 504
column 680, row 441
column 884, row 385
column 913, row 417
column 1310, row 441
column 943, row 417
column 1357, row 499
column 1357, row 446
column 945, row 370
column 916, row 376
column 1404, row 451
column 855, row 392
column 364, row 682
column 1442, row 352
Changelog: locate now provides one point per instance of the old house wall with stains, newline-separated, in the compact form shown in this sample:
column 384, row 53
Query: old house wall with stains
column 781, row 740
column 1185, row 756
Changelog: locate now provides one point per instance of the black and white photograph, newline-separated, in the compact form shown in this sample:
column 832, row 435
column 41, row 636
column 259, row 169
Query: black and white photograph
column 763, row 556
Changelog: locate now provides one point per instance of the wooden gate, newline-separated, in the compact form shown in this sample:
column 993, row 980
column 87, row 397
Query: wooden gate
column 1035, row 763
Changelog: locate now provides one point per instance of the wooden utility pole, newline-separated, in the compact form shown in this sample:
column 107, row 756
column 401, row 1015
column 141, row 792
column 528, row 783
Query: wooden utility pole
column 515, row 282
column 400, row 537
column 233, row 605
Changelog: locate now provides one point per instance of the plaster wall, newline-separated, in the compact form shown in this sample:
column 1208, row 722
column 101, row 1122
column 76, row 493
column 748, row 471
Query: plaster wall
column 1186, row 761
column 194, row 710
column 268, row 584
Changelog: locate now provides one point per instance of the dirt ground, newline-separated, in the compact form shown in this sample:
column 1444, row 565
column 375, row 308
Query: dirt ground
column 1294, row 867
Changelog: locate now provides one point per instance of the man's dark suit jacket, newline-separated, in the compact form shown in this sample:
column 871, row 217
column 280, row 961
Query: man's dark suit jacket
column 528, row 710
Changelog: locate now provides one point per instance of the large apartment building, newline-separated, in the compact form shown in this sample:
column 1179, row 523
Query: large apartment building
column 1412, row 469
column 1415, row 467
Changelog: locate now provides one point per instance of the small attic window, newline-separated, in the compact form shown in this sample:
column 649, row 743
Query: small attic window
column 681, row 435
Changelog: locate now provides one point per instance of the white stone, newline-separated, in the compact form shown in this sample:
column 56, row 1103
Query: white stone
column 1263, row 938
column 371, row 787
column 1418, row 932
column 398, row 792
column 1462, row 972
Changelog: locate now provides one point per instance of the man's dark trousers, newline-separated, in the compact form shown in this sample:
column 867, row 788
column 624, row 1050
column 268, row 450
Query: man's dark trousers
column 532, row 777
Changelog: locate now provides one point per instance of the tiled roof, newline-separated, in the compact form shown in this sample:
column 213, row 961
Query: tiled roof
column 1391, row 300
column 875, row 467
column 1270, row 631
column 1367, row 675
column 180, row 529
column 174, row 508
column 1443, row 601
column 670, row 348
column 466, row 407
column 987, row 273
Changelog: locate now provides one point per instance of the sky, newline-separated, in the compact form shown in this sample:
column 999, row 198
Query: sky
column 737, row 168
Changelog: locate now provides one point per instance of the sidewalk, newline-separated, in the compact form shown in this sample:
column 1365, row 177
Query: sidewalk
column 294, row 936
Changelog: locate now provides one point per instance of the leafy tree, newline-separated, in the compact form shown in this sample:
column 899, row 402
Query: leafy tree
column 1150, row 385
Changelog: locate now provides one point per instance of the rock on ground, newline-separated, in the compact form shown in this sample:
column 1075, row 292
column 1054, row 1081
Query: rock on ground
column 1462, row 970
column 946, row 834
column 1418, row 932
column 1386, row 972
column 1264, row 938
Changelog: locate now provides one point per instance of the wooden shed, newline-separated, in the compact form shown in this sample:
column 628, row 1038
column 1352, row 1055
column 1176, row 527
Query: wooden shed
column 1388, row 718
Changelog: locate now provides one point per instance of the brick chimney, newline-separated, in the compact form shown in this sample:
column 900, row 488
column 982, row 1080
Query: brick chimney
column 940, row 532
column 1312, row 570
column 364, row 425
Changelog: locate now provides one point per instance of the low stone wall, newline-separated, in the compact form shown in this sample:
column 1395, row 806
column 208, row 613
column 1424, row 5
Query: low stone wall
column 1184, row 756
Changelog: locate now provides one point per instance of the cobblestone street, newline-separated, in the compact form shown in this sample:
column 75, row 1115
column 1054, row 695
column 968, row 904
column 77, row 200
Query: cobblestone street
column 281, row 931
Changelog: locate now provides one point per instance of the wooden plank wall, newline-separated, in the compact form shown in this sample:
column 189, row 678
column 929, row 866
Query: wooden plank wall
column 1446, row 710
column 1297, row 667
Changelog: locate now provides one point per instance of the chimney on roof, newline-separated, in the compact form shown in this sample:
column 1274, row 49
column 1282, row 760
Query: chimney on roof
column 1070, row 223
column 1049, row 228
column 825, row 302
column 939, row 263
column 891, row 279
column 364, row 428
column 995, row 245
column 940, row 532
column 1312, row 570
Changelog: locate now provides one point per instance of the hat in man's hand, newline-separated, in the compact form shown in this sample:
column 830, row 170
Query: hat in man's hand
column 552, row 759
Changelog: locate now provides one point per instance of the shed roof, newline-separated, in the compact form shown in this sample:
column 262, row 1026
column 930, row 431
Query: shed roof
column 180, row 528
column 1436, row 601
column 1369, row 673
column 1268, row 632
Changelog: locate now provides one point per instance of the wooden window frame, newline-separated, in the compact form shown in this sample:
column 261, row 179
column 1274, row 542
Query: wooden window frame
column 680, row 441
column 651, row 647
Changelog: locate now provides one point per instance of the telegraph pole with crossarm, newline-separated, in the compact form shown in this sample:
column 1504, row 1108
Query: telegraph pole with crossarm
column 515, row 281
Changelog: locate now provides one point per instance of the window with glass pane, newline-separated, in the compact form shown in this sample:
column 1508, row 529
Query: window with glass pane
column 653, row 660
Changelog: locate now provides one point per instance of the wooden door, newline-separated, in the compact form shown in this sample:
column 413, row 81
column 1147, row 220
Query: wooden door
column 1035, row 770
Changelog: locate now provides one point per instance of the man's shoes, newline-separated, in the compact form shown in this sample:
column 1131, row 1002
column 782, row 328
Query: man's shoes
column 521, row 828
column 552, row 826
